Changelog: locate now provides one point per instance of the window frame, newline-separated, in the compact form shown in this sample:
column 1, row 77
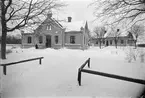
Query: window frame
column 110, row 42
column 122, row 41
column 72, row 39
column 48, row 27
column 40, row 39
column 103, row 41
column 96, row 42
column 56, row 39
column 29, row 40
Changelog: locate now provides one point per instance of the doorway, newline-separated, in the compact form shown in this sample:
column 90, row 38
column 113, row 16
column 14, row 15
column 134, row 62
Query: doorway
column 48, row 41
column 107, row 44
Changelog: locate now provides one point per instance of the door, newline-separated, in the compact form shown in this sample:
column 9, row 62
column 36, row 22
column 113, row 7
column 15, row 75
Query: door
column 48, row 41
column 107, row 44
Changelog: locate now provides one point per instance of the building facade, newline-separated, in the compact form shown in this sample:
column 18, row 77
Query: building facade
column 125, row 40
column 54, row 34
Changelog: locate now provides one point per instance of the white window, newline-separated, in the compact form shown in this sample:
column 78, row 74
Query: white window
column 48, row 27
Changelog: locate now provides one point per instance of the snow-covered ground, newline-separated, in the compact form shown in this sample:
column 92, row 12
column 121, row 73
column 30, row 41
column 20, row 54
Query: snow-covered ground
column 57, row 76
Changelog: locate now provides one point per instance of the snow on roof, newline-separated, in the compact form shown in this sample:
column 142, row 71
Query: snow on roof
column 69, row 26
column 73, row 26
column 30, row 29
column 57, row 23
column 110, row 33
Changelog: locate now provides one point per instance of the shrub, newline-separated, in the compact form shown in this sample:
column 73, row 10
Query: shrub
column 142, row 56
column 131, row 54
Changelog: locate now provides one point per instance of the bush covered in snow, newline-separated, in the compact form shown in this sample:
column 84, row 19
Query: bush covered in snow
column 134, row 54
column 142, row 56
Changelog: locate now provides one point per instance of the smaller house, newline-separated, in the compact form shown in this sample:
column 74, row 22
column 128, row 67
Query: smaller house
column 126, row 39
column 76, row 34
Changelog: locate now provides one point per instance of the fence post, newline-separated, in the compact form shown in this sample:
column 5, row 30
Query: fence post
column 79, row 77
column 89, row 62
column 40, row 61
column 4, row 69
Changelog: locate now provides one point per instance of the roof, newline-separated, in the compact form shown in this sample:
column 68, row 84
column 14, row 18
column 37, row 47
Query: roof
column 29, row 29
column 73, row 26
column 68, row 26
column 36, row 27
column 122, row 33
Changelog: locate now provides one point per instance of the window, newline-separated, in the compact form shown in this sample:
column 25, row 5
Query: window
column 29, row 40
column 110, row 42
column 103, row 41
column 48, row 27
column 72, row 39
column 56, row 39
column 122, row 41
column 96, row 42
column 40, row 39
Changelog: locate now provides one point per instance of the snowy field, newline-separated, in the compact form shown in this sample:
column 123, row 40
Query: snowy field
column 57, row 76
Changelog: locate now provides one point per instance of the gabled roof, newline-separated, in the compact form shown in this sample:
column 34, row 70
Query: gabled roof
column 51, row 21
column 30, row 29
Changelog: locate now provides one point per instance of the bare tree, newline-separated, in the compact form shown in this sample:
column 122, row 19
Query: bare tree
column 137, row 30
column 115, row 34
column 116, row 11
column 100, row 32
column 16, row 14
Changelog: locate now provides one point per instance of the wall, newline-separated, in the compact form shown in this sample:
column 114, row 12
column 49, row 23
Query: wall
column 55, row 30
column 85, row 39
column 25, row 43
column 78, row 40
column 125, row 42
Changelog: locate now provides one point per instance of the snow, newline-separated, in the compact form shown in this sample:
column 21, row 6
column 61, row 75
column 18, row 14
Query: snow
column 57, row 76
column 73, row 26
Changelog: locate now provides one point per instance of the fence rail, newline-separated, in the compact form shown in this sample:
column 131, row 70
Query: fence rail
column 87, row 61
column 80, row 69
column 139, row 81
column 8, row 64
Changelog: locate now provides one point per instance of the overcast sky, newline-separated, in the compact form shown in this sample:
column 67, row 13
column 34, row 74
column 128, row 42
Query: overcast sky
column 78, row 10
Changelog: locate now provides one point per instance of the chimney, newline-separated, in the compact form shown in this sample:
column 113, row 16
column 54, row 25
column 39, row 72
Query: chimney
column 49, row 14
column 69, row 19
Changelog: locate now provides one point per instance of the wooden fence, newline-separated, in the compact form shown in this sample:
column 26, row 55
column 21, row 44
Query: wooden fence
column 139, row 81
column 8, row 64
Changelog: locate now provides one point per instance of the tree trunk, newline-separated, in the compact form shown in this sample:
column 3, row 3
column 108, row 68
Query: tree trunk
column 135, row 43
column 4, row 31
column 100, row 44
column 116, row 43
column 3, row 43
